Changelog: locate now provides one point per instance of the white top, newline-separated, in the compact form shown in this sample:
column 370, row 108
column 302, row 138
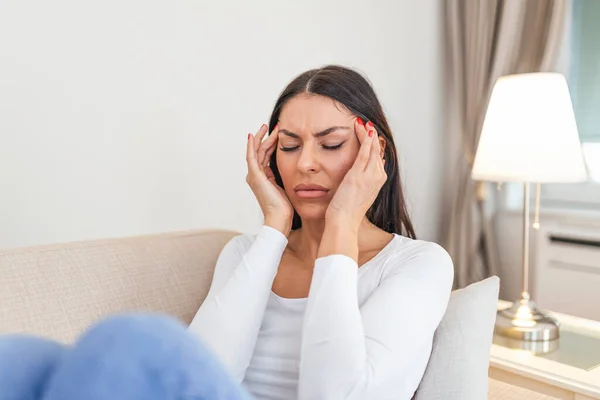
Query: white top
column 362, row 333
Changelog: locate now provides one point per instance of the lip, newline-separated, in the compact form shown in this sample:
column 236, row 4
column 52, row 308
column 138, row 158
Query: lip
column 310, row 186
column 310, row 191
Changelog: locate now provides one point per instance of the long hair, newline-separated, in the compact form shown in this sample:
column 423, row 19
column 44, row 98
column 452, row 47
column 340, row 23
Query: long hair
column 352, row 90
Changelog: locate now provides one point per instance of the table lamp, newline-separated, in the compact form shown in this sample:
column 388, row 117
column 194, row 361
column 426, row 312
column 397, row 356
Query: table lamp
column 529, row 135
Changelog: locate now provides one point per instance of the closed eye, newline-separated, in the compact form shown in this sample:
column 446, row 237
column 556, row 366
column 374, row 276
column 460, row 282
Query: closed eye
column 337, row 146
column 288, row 148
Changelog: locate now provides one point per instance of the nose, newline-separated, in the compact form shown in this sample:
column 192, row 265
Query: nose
column 308, row 161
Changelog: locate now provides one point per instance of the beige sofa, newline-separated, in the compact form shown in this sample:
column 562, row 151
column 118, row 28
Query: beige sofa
column 59, row 290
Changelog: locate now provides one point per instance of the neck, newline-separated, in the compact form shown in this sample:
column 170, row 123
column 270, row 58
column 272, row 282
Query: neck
column 310, row 235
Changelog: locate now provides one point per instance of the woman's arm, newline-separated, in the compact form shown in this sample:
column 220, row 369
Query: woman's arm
column 230, row 317
column 351, row 353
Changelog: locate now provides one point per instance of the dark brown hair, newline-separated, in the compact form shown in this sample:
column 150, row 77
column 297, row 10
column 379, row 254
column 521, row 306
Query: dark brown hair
column 353, row 91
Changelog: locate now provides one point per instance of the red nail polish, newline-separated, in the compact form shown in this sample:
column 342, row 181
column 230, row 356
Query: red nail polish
column 369, row 124
column 360, row 121
column 370, row 133
column 249, row 136
column 276, row 125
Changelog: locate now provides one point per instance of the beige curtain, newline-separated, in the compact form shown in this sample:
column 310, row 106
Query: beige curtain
column 485, row 40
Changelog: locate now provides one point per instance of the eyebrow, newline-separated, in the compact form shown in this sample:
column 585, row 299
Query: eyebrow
column 318, row 134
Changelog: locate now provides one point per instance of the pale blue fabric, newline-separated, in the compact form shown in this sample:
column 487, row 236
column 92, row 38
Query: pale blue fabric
column 125, row 357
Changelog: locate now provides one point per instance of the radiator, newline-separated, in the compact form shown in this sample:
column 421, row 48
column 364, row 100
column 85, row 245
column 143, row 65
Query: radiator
column 566, row 273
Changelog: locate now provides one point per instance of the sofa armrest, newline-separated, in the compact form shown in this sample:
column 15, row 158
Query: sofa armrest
column 503, row 391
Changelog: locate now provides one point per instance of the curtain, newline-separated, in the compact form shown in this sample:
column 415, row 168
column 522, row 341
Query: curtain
column 485, row 40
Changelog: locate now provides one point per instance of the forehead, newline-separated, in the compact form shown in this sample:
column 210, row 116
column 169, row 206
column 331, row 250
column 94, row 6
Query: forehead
column 310, row 112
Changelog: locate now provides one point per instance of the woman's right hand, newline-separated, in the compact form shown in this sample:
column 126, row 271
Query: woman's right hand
column 274, row 203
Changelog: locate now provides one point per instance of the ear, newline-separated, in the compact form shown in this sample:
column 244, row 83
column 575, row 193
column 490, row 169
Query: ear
column 382, row 144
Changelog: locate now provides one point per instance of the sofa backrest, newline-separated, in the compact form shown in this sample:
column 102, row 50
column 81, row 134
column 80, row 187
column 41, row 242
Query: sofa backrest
column 59, row 290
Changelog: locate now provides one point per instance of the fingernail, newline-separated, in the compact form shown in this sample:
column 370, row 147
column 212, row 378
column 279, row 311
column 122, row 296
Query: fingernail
column 369, row 124
column 360, row 121
column 370, row 133
column 249, row 136
column 276, row 125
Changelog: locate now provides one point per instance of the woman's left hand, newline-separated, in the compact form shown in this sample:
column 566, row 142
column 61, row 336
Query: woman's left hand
column 362, row 183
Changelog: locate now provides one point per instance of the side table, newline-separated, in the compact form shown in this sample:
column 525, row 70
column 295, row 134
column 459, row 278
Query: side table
column 568, row 370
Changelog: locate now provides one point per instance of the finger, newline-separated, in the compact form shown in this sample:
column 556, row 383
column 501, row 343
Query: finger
column 360, row 129
column 261, row 134
column 269, row 153
column 374, row 157
column 266, row 149
column 363, row 154
column 268, row 146
column 251, row 155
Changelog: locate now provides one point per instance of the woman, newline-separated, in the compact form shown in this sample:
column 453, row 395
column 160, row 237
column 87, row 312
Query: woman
column 333, row 298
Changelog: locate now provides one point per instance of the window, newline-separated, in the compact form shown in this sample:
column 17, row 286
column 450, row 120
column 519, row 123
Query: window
column 581, row 58
column 584, row 68
column 584, row 78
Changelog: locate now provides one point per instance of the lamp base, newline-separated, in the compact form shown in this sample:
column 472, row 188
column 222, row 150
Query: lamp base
column 539, row 347
column 524, row 321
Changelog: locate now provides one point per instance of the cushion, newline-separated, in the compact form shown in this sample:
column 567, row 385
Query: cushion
column 458, row 366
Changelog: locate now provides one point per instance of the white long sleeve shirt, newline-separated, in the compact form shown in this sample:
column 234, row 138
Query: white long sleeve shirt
column 361, row 334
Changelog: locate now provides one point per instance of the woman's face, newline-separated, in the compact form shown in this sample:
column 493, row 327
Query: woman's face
column 317, row 146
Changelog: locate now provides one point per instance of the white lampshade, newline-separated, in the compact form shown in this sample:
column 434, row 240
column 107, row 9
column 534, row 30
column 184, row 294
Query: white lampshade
column 529, row 133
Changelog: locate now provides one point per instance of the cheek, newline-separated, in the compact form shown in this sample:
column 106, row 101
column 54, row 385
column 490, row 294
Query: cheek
column 337, row 166
column 285, row 166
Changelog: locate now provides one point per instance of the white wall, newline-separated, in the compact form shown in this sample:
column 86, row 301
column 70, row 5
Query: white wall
column 129, row 117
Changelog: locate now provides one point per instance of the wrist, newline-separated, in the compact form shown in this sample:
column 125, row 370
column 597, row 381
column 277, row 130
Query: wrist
column 339, row 224
column 339, row 237
column 282, row 225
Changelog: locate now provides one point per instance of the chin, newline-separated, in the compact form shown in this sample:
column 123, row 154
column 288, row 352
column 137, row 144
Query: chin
column 308, row 211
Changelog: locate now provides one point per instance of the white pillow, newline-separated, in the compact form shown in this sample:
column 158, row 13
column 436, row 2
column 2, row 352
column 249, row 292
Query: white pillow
column 458, row 366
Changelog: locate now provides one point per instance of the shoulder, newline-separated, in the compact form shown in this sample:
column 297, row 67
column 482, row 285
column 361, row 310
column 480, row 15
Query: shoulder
column 420, row 259
column 408, row 250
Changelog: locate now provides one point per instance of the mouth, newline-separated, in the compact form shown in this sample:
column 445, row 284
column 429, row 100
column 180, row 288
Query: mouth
column 310, row 191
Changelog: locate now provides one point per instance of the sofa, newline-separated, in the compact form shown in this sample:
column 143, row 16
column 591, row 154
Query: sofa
column 58, row 290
